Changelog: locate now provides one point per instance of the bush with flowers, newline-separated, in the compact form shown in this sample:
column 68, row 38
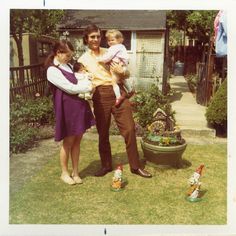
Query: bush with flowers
column 27, row 117
column 146, row 102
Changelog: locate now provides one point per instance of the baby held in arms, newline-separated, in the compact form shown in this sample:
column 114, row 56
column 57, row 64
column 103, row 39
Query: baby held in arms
column 82, row 75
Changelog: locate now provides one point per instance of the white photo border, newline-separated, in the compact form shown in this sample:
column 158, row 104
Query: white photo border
column 144, row 230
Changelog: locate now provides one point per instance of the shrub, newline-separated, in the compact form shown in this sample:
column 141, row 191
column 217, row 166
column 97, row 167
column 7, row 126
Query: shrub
column 216, row 113
column 192, row 80
column 146, row 102
column 22, row 138
column 37, row 111
column 26, row 117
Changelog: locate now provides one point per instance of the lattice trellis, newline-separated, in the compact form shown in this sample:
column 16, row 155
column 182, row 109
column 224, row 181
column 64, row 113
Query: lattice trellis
column 149, row 55
column 149, row 42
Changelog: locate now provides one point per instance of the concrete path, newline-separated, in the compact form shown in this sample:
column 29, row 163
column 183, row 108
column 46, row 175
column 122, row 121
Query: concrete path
column 190, row 116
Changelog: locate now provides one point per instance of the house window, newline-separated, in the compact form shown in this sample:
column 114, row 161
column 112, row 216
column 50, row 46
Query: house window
column 191, row 42
column 127, row 39
column 43, row 48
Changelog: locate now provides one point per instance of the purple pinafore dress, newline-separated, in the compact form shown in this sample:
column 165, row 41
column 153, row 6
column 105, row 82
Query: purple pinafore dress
column 73, row 114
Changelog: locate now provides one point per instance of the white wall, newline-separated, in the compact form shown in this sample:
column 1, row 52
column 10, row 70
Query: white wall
column 14, row 53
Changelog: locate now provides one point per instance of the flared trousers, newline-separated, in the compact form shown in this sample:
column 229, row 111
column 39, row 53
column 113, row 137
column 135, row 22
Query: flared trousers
column 104, row 106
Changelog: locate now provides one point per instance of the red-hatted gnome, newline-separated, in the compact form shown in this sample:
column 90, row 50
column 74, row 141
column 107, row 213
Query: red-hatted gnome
column 117, row 178
column 195, row 183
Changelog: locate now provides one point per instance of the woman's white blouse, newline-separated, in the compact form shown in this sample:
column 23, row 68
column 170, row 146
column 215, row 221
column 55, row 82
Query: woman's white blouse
column 55, row 76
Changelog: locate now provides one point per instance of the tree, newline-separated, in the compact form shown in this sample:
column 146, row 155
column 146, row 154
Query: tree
column 194, row 24
column 38, row 22
column 201, row 25
column 198, row 25
column 177, row 20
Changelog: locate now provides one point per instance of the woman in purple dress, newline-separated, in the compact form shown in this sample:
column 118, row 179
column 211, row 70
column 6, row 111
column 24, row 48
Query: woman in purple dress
column 72, row 114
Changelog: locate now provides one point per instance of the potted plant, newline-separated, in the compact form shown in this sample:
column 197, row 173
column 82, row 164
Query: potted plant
column 162, row 142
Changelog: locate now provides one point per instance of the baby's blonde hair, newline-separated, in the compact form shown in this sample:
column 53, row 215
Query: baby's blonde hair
column 116, row 33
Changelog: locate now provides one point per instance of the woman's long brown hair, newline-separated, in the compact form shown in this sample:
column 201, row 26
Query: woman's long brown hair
column 61, row 46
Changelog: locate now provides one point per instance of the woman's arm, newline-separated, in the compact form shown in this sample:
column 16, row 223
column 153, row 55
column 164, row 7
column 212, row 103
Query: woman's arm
column 56, row 77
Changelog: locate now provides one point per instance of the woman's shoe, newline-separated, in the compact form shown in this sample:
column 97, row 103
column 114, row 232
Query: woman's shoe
column 77, row 179
column 67, row 179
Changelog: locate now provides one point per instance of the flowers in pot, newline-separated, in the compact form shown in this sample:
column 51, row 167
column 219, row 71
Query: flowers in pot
column 162, row 142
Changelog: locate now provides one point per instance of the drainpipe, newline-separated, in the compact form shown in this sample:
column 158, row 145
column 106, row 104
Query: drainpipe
column 166, row 60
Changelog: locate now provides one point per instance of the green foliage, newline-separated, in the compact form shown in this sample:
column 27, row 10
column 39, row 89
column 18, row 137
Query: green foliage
column 163, row 141
column 37, row 22
column 192, row 82
column 22, row 138
column 33, row 111
column 26, row 116
column 146, row 103
column 216, row 113
column 196, row 24
column 175, row 37
column 177, row 19
column 200, row 24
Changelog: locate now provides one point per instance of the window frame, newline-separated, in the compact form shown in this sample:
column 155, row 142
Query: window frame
column 43, row 48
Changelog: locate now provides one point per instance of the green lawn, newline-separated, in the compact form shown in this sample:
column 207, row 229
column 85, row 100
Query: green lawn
column 45, row 199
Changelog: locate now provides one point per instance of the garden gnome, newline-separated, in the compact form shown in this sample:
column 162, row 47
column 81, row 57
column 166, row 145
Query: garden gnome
column 117, row 178
column 195, row 184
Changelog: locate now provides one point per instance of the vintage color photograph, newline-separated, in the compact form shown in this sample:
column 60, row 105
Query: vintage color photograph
column 118, row 117
column 118, row 120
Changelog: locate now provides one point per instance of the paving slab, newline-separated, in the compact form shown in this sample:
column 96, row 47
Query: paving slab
column 189, row 115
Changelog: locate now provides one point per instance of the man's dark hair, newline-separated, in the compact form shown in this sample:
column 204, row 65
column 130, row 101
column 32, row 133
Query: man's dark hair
column 88, row 30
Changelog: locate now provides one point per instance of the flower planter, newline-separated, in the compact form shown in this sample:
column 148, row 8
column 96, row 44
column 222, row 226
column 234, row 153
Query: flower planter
column 163, row 155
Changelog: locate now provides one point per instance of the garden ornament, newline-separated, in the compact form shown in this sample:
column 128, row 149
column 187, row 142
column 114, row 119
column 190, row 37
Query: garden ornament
column 195, row 184
column 117, row 180
column 162, row 143
column 167, row 121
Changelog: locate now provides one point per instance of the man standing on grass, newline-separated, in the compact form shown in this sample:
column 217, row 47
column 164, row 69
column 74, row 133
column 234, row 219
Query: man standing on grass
column 104, row 105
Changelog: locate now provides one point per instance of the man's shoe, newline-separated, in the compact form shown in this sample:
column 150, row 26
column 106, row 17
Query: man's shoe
column 102, row 172
column 141, row 172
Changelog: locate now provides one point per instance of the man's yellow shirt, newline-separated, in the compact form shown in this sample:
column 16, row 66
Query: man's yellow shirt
column 100, row 72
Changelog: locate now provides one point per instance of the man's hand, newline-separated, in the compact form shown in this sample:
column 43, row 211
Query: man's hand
column 120, row 70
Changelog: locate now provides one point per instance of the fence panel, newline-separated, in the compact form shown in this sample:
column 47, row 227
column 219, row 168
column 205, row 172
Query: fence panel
column 201, row 84
column 205, row 84
column 26, row 81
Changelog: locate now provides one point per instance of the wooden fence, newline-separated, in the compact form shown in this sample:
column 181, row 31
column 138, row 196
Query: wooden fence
column 202, row 62
column 205, row 76
column 27, row 81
